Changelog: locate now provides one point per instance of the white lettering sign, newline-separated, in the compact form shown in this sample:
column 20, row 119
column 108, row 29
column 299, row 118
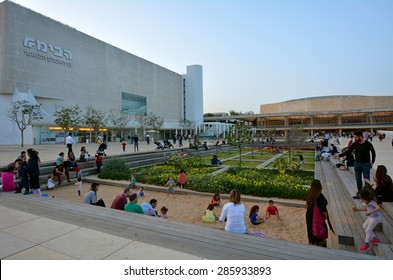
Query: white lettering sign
column 44, row 47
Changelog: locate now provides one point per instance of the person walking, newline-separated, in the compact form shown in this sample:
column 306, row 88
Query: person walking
column 373, row 218
column 123, row 143
column 69, row 142
column 136, row 141
column 181, row 140
column 363, row 161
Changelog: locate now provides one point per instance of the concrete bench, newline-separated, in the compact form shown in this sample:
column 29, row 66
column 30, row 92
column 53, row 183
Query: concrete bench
column 207, row 243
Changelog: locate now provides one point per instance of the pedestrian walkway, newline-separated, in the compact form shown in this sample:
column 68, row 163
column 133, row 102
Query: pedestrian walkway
column 25, row 236
column 8, row 153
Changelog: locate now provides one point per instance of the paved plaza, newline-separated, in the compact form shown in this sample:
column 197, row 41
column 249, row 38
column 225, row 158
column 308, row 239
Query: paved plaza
column 8, row 153
column 21, row 235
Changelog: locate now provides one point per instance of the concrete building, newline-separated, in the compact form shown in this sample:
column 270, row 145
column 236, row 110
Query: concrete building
column 334, row 114
column 52, row 64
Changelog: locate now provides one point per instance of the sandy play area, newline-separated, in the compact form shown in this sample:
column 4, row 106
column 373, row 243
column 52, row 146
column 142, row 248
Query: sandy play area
column 189, row 209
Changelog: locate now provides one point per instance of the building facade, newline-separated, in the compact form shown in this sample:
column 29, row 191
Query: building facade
column 51, row 64
column 334, row 114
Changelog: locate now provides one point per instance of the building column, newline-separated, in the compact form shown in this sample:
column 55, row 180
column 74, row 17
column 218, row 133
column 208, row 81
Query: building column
column 339, row 122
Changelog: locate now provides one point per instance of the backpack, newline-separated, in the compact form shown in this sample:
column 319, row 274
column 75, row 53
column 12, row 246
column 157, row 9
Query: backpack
column 319, row 228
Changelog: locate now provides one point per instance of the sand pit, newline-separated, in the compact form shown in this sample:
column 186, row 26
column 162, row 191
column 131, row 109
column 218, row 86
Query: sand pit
column 189, row 209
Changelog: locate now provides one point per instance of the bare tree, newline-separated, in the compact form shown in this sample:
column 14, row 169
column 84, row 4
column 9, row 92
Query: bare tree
column 240, row 135
column 95, row 119
column 154, row 121
column 119, row 119
column 68, row 118
column 186, row 124
column 23, row 114
column 295, row 140
column 141, row 119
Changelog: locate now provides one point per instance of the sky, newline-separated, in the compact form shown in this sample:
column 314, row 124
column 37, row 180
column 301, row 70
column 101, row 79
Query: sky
column 252, row 52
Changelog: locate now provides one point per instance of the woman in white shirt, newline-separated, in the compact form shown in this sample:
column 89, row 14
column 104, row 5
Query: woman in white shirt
column 234, row 212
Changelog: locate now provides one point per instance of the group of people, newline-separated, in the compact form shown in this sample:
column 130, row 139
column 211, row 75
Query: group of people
column 372, row 194
column 372, row 198
column 27, row 168
column 234, row 211
column 126, row 201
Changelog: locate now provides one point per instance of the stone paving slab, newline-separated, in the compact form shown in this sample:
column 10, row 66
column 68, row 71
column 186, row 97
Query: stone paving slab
column 11, row 244
column 137, row 250
column 39, row 253
column 40, row 230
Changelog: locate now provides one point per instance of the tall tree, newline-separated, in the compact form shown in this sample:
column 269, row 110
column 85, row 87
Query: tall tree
column 68, row 118
column 119, row 119
column 240, row 135
column 95, row 119
column 23, row 114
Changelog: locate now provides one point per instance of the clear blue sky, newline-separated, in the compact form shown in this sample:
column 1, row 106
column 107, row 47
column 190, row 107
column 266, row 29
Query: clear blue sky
column 253, row 52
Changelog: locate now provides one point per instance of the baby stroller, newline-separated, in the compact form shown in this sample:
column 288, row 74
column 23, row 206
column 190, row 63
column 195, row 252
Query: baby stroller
column 159, row 145
column 101, row 149
column 167, row 144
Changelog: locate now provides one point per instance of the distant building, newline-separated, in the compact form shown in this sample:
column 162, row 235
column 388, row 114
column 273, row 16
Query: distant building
column 49, row 63
column 335, row 114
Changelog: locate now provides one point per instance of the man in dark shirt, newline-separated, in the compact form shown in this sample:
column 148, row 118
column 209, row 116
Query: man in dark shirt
column 363, row 162
column 136, row 141
column 121, row 200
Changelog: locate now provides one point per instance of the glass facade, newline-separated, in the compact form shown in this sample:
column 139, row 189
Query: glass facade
column 133, row 104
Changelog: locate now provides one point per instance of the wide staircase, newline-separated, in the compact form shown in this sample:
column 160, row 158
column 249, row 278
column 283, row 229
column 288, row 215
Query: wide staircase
column 133, row 160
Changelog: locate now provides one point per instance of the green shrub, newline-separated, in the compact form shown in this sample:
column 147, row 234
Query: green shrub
column 256, row 182
column 115, row 169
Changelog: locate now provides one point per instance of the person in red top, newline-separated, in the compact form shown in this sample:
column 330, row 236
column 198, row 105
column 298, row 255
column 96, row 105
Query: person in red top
column 271, row 210
column 121, row 200
column 216, row 200
column 99, row 162
column 182, row 178
column 123, row 143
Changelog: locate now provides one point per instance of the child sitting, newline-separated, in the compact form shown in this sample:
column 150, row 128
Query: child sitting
column 164, row 212
column 141, row 192
column 271, row 210
column 254, row 217
column 132, row 181
column 50, row 184
column 209, row 216
column 8, row 178
column 216, row 200
column 78, row 172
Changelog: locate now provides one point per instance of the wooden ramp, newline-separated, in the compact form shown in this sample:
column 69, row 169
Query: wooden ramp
column 197, row 240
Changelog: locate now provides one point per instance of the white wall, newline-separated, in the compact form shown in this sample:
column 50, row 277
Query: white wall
column 95, row 75
column 194, row 93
